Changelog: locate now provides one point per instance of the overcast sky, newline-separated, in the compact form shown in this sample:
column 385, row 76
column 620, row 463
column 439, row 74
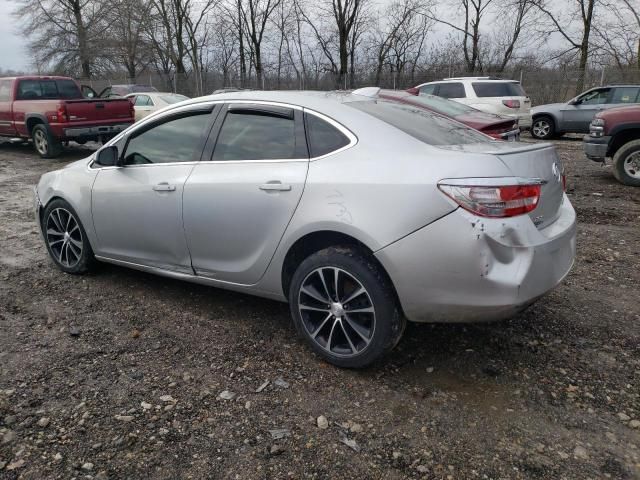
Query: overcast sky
column 13, row 55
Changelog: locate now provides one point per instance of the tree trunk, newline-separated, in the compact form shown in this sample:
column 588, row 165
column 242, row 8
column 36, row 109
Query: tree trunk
column 584, row 47
column 83, row 48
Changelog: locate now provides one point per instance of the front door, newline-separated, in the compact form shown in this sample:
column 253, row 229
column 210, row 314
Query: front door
column 137, row 208
column 577, row 117
column 238, row 203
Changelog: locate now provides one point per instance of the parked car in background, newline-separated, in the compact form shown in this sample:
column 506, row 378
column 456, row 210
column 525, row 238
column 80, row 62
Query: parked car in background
column 52, row 110
column 575, row 116
column 496, row 126
column 116, row 91
column 489, row 94
column 149, row 102
column 615, row 133
column 360, row 212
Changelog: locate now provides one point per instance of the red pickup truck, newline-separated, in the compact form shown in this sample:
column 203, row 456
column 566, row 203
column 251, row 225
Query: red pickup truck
column 615, row 133
column 52, row 110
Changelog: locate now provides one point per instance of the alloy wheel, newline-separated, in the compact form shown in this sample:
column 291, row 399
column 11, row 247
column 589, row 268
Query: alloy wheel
column 64, row 237
column 631, row 165
column 541, row 128
column 41, row 143
column 336, row 311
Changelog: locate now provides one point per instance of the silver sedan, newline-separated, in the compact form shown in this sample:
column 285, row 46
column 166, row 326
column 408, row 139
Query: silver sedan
column 360, row 212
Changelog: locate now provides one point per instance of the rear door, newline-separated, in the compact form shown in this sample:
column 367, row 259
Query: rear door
column 239, row 200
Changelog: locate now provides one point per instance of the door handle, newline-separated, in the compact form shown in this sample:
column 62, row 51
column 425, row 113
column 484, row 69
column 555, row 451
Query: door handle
column 164, row 187
column 275, row 186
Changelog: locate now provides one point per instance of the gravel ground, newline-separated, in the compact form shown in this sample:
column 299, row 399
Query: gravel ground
column 123, row 375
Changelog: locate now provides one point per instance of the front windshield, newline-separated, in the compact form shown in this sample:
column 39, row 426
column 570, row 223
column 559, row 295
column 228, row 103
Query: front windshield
column 426, row 126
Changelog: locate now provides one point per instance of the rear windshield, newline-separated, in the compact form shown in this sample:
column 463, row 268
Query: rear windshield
column 48, row 89
column 428, row 127
column 442, row 105
column 173, row 98
column 498, row 89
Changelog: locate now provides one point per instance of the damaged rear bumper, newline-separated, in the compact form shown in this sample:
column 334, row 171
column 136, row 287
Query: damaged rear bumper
column 463, row 268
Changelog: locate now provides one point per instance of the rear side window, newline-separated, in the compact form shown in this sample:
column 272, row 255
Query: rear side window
column 626, row 95
column 5, row 90
column 323, row 138
column 428, row 127
column 498, row 89
column 177, row 140
column 256, row 135
column 451, row 90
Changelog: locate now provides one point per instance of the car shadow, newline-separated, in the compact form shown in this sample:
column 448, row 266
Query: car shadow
column 73, row 151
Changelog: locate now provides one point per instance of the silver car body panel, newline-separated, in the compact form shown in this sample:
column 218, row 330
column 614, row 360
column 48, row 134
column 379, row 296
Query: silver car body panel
column 380, row 190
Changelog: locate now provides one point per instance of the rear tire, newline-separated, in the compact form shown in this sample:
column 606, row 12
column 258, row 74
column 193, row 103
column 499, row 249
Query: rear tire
column 626, row 164
column 543, row 128
column 44, row 142
column 351, row 325
column 66, row 239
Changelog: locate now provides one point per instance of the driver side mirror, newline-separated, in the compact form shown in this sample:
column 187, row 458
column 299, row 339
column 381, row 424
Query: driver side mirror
column 108, row 157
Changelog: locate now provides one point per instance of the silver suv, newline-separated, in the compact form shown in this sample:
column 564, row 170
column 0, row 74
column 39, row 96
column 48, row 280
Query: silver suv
column 574, row 116
column 488, row 94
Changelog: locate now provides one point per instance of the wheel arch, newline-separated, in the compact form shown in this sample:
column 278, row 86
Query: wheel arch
column 622, row 135
column 33, row 119
column 313, row 242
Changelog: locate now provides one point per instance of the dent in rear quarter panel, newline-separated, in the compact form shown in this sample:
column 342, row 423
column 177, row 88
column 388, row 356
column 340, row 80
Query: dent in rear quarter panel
column 380, row 190
column 73, row 184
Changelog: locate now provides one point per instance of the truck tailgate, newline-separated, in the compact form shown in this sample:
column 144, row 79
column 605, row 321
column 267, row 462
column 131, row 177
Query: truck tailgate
column 95, row 111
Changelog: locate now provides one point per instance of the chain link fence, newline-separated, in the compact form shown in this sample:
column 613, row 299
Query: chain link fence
column 542, row 85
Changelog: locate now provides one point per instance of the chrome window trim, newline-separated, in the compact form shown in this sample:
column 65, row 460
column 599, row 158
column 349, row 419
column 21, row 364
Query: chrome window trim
column 353, row 140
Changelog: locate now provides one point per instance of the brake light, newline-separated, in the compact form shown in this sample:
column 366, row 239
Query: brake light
column 62, row 113
column 494, row 201
column 511, row 103
column 132, row 110
column 564, row 182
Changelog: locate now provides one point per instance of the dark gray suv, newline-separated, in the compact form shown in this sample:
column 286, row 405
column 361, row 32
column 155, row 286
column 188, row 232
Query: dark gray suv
column 575, row 115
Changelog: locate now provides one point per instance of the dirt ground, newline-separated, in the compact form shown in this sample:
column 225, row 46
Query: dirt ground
column 119, row 374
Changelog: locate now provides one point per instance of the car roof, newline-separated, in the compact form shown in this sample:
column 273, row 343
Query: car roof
column 36, row 77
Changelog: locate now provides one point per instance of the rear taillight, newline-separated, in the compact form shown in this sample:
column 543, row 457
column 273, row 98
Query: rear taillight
column 564, row 182
column 511, row 103
column 62, row 113
column 132, row 110
column 495, row 201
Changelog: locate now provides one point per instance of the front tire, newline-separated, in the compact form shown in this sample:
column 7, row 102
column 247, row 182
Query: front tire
column 44, row 142
column 543, row 128
column 345, row 308
column 66, row 239
column 626, row 164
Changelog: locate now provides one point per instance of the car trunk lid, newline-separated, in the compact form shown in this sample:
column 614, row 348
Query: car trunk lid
column 532, row 161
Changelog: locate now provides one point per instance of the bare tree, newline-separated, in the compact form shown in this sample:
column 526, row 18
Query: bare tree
column 576, row 33
column 64, row 32
column 256, row 15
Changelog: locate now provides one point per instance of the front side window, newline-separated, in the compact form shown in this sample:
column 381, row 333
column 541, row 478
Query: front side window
column 177, row 140
column 626, row 95
column 428, row 127
column 323, row 137
column 256, row 135
column 451, row 90
column 597, row 97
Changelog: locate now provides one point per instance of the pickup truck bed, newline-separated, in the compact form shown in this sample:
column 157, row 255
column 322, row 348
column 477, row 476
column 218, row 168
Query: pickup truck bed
column 51, row 110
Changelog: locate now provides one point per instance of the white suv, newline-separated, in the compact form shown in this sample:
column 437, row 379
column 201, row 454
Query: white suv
column 502, row 97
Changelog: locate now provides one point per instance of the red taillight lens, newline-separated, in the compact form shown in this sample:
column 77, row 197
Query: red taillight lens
column 494, row 201
column 564, row 182
column 511, row 103
column 132, row 110
column 62, row 113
